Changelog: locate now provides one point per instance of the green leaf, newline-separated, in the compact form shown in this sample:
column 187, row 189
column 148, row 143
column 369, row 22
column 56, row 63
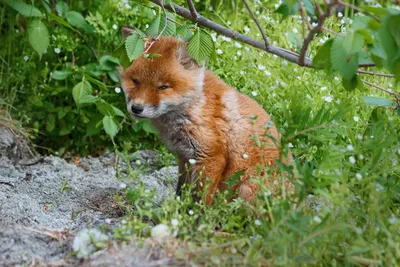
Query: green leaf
column 77, row 20
column 24, row 9
column 396, row 70
column 342, row 61
column 360, row 22
column 351, row 84
column 184, row 33
column 88, row 99
column 375, row 10
column 61, row 21
column 62, row 8
column 61, row 74
column 200, row 46
column 353, row 42
column 394, row 28
column 322, row 59
column 118, row 112
column 377, row 101
column 38, row 36
column 157, row 25
column 295, row 39
column 149, row 128
column 80, row 90
column 134, row 46
column 109, row 126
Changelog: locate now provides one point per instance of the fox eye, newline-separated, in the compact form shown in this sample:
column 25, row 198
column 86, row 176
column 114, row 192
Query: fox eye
column 136, row 82
column 164, row 87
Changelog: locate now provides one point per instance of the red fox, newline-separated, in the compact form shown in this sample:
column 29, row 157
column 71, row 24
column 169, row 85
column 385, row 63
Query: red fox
column 208, row 124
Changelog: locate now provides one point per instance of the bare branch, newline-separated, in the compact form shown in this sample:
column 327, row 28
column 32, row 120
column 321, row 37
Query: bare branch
column 264, row 36
column 193, row 11
column 380, row 88
column 376, row 74
column 359, row 10
column 315, row 30
column 320, row 12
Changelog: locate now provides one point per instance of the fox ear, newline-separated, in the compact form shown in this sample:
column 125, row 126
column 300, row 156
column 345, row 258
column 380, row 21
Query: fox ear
column 185, row 59
column 126, row 31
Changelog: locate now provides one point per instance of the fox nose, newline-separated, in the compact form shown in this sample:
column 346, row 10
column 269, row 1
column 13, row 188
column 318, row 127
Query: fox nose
column 137, row 109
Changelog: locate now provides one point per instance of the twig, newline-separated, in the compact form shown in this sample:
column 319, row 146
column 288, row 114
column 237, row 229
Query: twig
column 174, row 21
column 161, row 4
column 380, row 88
column 358, row 9
column 315, row 30
column 320, row 12
column 193, row 11
column 264, row 36
column 376, row 74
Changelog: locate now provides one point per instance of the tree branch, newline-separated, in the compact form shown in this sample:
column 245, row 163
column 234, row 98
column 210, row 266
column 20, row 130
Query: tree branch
column 380, row 88
column 376, row 74
column 315, row 30
column 264, row 36
column 193, row 11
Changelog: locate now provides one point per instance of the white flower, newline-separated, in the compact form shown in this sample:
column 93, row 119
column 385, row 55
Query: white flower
column 26, row 58
column 245, row 156
column 337, row 101
column 356, row 118
column 219, row 51
column 328, row 98
column 214, row 37
column 238, row 45
column 359, row 137
column 122, row 185
column 115, row 26
column 290, row 145
column 117, row 90
column 298, row 78
column 191, row 212
column 246, row 48
column 228, row 22
column 226, row 39
column 88, row 241
column 127, row 6
column 392, row 220
column 246, row 29
column 123, row 222
column 336, row 78
column 160, row 231
column 350, row 147
column 254, row 93
column 359, row 230
column 323, row 88
column 308, row 96
column 192, row 161
column 178, row 198
column 359, row 176
column 275, row 56
column 261, row 67
column 390, row 84
column 57, row 50
column 238, row 53
column 53, row 37
column 276, row 5
column 361, row 156
column 267, row 73
column 314, row 24
column 317, row 219
column 146, row 26
column 273, row 94
column 242, row 72
column 174, row 222
column 340, row 14
column 352, row 159
column 257, row 222
column 138, row 162
column 295, row 30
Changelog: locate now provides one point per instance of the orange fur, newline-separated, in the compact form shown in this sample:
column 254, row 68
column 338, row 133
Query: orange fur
column 200, row 118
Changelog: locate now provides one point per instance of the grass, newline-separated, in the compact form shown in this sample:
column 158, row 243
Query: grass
column 346, row 209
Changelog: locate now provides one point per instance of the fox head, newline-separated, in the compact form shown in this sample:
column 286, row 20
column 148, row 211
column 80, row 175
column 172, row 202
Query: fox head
column 154, row 87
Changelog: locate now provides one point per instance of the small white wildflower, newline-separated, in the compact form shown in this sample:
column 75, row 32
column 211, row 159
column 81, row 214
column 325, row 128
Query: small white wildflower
column 295, row 69
column 275, row 56
column 285, row 62
column 338, row 172
column 392, row 220
column 235, row 58
column 276, row 5
column 314, row 24
column 359, row 230
column 290, row 145
column 26, row 58
column 115, row 26
column 117, row 90
column 359, row 176
column 267, row 73
column 356, row 118
column 178, row 198
column 352, row 159
column 239, row 53
column 361, row 156
column 350, row 147
column 123, row 222
column 88, row 241
column 359, row 137
column 57, row 50
column 16, row 30
column 128, row 6
column 146, row 191
column 372, row 137
column 214, row 37
column 295, row 30
column 53, row 37
column 146, row 26
column 254, row 93
column 138, row 162
column 257, row 222
column 390, row 84
column 226, row 39
column 238, row 45
column 323, row 88
column 261, row 67
column 219, row 51
column 192, row 161
column 245, row 156
column 191, row 212
column 342, row 21
column 247, row 48
column 328, row 98
column 122, row 185
column 228, row 22
column 308, row 96
column 160, row 231
column 379, row 187
column 246, row 29
column 273, row 94
column 317, row 219
column 242, row 72
column 298, row 78
column 337, row 101
column 340, row 14
column 336, row 78
column 174, row 222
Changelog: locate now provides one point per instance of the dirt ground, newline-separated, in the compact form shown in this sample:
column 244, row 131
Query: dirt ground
column 45, row 201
